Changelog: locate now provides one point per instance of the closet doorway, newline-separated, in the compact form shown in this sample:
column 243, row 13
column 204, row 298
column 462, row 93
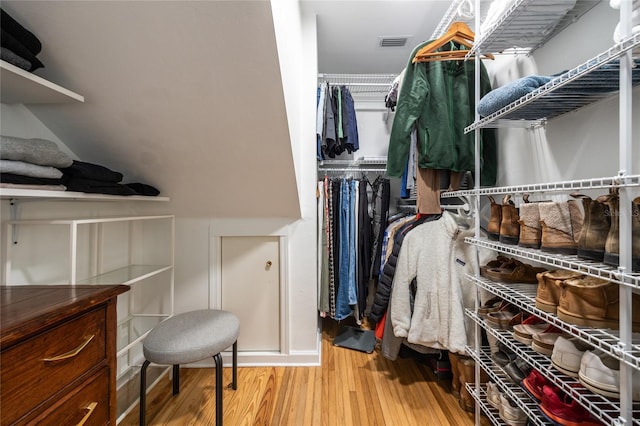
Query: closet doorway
column 250, row 288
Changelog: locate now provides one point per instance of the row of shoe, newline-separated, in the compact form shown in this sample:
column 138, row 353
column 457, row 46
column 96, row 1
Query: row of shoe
column 583, row 300
column 596, row 370
column 589, row 229
column 508, row 410
column 557, row 406
column 463, row 369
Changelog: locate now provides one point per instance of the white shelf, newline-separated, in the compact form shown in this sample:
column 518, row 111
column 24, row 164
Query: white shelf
column 22, row 87
column 127, row 275
column 16, row 193
column 570, row 262
column 134, row 328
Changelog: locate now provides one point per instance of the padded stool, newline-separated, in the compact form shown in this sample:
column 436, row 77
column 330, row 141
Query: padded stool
column 190, row 337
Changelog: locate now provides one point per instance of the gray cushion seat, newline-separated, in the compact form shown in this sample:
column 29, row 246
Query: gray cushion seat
column 190, row 337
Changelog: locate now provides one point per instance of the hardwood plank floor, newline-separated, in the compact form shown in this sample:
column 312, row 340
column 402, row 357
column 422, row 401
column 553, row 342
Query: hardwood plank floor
column 351, row 388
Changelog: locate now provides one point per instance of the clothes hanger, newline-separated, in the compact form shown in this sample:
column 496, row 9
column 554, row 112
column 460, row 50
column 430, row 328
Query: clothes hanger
column 458, row 32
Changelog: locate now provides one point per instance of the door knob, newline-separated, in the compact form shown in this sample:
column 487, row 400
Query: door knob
column 268, row 265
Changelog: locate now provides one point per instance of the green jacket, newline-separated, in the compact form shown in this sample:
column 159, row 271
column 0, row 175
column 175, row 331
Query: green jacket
column 438, row 99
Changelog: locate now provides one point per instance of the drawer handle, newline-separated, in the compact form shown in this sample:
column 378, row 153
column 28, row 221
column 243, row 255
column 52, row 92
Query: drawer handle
column 91, row 407
column 71, row 353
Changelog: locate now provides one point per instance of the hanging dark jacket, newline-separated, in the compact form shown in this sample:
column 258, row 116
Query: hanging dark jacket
column 437, row 98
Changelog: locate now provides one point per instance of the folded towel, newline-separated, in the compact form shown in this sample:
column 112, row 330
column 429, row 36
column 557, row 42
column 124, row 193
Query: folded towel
column 97, row 187
column 20, row 33
column 13, row 178
column 503, row 96
column 29, row 169
column 8, row 56
column 37, row 151
column 82, row 170
column 143, row 189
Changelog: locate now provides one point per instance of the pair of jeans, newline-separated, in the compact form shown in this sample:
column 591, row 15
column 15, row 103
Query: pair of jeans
column 347, row 273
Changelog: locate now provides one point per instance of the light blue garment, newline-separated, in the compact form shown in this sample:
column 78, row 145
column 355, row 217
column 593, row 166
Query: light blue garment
column 343, row 310
column 503, row 96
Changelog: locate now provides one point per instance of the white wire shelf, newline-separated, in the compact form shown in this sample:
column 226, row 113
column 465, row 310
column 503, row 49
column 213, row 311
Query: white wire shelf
column 520, row 25
column 564, row 186
column 601, row 407
column 595, row 79
column 502, row 379
column 378, row 165
column 362, row 86
column 481, row 397
column 523, row 296
column 570, row 262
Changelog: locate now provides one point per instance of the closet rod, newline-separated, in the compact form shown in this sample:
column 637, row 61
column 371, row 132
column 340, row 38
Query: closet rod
column 343, row 170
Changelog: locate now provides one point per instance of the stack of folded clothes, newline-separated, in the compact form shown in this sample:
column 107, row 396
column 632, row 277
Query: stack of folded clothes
column 31, row 163
column 19, row 46
column 40, row 164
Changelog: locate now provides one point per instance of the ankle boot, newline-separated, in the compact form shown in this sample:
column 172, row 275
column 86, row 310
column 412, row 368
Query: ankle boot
column 612, row 243
column 530, row 230
column 454, row 360
column 509, row 227
column 597, row 221
column 467, row 374
column 577, row 219
column 557, row 229
column 493, row 228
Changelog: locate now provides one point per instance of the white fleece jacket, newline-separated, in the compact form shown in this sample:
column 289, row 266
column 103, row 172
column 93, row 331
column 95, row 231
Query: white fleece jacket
column 436, row 255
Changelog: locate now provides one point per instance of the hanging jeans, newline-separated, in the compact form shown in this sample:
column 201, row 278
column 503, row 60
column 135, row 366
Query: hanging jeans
column 346, row 283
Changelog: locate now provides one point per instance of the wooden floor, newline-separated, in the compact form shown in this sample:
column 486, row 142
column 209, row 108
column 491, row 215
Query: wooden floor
column 350, row 388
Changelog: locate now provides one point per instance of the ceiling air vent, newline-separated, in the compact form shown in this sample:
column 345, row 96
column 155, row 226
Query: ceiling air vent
column 393, row 41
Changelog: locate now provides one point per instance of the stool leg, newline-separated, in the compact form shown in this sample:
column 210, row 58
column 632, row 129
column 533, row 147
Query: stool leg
column 143, row 392
column 176, row 379
column 218, row 360
column 234, row 383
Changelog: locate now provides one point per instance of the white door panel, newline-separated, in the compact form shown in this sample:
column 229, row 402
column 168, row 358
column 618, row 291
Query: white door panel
column 251, row 289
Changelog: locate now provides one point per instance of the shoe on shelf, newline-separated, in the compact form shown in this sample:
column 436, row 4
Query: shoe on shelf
column 490, row 305
column 517, row 370
column 544, row 342
column 511, row 413
column 533, row 384
column 530, row 229
column 600, row 373
column 549, row 288
column 524, row 332
column 560, row 222
column 594, row 302
column 509, row 226
column 560, row 408
column 493, row 395
column 595, row 229
column 493, row 227
column 567, row 355
column 504, row 320
column 503, row 355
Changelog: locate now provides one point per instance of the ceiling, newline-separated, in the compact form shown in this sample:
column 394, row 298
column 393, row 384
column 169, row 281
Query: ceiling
column 349, row 32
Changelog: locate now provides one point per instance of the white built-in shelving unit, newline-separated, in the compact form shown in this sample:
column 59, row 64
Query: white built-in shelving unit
column 571, row 90
column 134, row 250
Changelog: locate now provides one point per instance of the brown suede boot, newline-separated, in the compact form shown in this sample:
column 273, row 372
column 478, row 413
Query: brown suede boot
column 557, row 228
column 593, row 302
column 468, row 375
column 493, row 228
column 595, row 228
column 612, row 243
column 454, row 360
column 509, row 226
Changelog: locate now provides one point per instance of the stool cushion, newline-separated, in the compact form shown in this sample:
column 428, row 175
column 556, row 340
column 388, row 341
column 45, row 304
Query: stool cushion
column 191, row 336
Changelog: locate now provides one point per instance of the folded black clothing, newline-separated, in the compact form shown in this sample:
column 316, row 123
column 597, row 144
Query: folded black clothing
column 8, row 56
column 11, row 43
column 28, row 180
column 80, row 169
column 19, row 32
column 97, row 187
column 143, row 189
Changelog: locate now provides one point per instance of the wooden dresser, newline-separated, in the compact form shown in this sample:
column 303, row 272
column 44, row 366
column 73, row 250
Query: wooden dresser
column 58, row 354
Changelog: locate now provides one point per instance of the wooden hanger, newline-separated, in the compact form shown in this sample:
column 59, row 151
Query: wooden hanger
column 458, row 32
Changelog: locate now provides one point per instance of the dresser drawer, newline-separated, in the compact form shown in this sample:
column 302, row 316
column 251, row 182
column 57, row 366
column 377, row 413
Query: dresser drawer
column 34, row 370
column 87, row 405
